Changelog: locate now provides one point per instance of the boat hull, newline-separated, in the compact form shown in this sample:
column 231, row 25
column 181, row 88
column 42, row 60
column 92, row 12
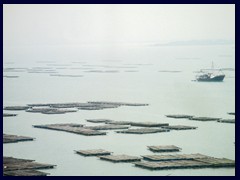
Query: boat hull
column 214, row 79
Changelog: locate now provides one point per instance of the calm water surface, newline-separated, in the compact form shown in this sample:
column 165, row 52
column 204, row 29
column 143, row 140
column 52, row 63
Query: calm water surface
column 165, row 92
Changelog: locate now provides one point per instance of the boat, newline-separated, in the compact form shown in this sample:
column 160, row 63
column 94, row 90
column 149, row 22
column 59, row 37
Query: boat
column 210, row 75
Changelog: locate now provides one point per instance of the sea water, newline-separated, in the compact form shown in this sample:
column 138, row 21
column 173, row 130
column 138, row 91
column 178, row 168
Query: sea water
column 140, row 74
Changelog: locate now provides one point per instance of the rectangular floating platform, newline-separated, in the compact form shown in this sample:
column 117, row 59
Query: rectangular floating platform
column 11, row 76
column 179, row 127
column 169, row 148
column 95, row 108
column 174, row 157
column 105, row 106
column 16, row 108
column 14, row 164
column 120, row 158
column 27, row 165
column 83, row 105
column 58, row 111
column 143, row 131
column 98, row 120
column 80, row 106
column 9, row 160
column 148, row 124
column 55, row 108
column 226, row 121
column 93, row 152
column 184, row 164
column 204, row 118
column 119, row 122
column 24, row 173
column 50, row 110
column 179, row 116
column 170, row 164
column 9, row 115
column 70, row 105
column 71, row 128
column 138, row 124
column 218, row 162
column 107, row 127
column 13, row 138
column 118, row 103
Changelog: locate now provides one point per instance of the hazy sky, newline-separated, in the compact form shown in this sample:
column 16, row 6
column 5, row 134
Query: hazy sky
column 58, row 24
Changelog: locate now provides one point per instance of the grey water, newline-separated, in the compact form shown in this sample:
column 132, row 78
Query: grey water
column 131, row 73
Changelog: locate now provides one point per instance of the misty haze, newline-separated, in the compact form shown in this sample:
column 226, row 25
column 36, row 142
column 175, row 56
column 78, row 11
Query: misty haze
column 119, row 90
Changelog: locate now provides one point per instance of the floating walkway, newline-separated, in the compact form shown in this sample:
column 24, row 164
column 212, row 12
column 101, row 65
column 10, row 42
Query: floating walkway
column 71, row 128
column 93, row 152
column 143, row 131
column 169, row 148
column 120, row 158
column 14, row 139
column 24, row 167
